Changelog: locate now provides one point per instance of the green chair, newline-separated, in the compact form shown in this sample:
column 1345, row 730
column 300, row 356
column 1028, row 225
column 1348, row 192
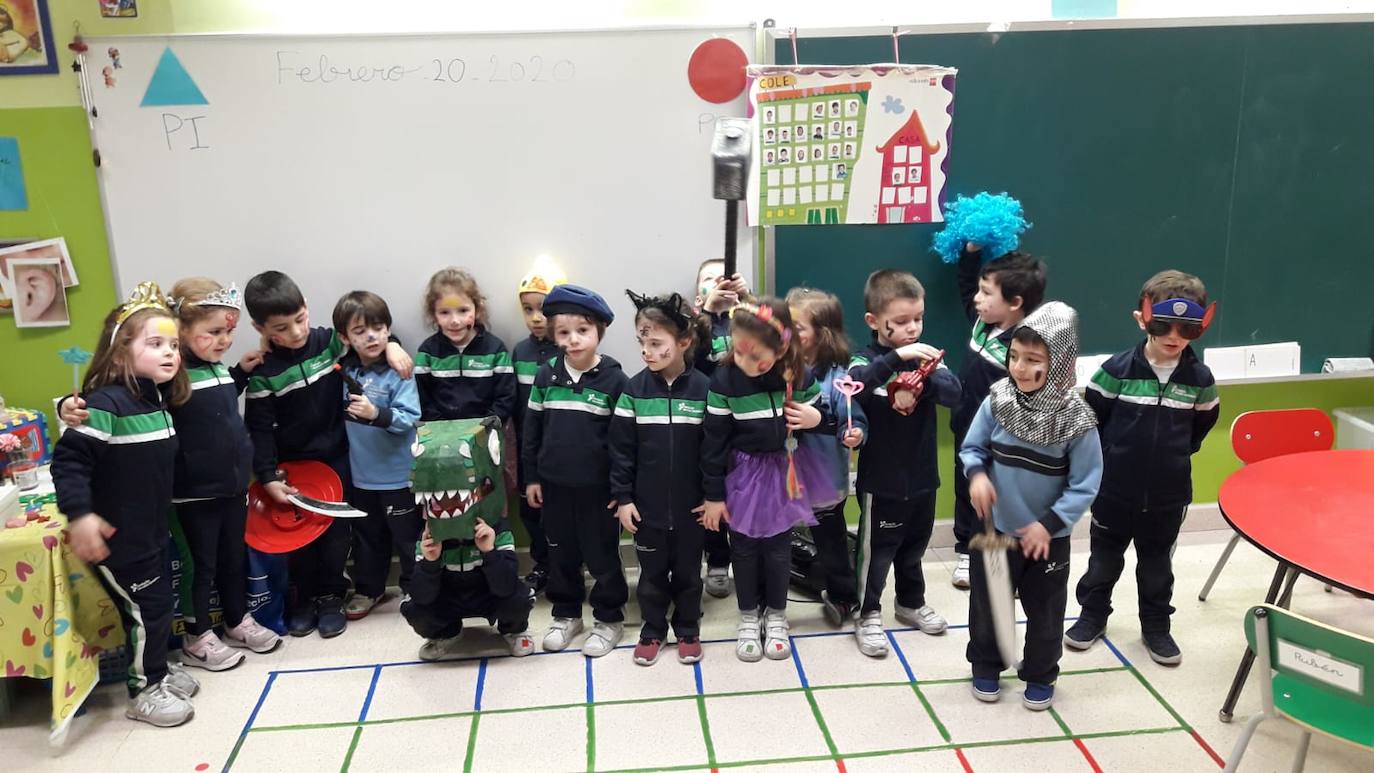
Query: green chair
column 1318, row 677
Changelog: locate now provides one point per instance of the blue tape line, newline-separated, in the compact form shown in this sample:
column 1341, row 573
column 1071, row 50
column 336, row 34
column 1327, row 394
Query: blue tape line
column 696, row 669
column 801, row 671
column 591, row 693
column 252, row 717
column 371, row 690
column 481, row 685
column 901, row 657
column 1116, row 652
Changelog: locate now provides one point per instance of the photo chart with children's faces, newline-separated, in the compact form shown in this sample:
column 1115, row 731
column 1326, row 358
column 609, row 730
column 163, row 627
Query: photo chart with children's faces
column 850, row 144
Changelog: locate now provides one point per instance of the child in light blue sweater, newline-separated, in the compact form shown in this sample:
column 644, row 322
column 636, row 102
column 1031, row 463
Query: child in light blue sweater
column 1034, row 463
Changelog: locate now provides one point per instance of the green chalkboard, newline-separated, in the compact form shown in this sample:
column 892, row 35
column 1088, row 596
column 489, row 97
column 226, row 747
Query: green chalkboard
column 1242, row 154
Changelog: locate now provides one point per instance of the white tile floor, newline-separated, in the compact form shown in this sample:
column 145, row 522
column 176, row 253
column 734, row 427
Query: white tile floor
column 361, row 702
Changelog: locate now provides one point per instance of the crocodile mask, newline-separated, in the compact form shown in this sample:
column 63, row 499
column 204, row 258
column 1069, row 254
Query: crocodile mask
column 456, row 475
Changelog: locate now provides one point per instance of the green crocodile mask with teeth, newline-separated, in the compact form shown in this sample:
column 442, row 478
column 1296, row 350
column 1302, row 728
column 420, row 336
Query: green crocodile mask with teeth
column 456, row 475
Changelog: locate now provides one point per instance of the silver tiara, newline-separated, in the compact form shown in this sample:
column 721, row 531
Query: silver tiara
column 225, row 296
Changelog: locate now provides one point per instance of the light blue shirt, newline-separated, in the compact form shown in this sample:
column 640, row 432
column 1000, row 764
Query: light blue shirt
column 379, row 450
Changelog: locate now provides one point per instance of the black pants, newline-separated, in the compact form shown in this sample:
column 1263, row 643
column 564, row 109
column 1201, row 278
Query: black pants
column 143, row 592
column 763, row 569
column 581, row 530
column 966, row 522
column 533, row 519
column 718, row 547
column 670, row 572
column 317, row 569
column 831, row 535
column 893, row 534
column 214, row 531
column 393, row 524
column 443, row 619
column 1154, row 533
column 1044, row 589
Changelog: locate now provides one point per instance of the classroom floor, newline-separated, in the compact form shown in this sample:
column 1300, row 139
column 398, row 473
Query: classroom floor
column 362, row 702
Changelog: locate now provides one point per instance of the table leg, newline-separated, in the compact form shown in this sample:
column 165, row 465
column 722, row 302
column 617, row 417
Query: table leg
column 1248, row 659
column 1286, row 597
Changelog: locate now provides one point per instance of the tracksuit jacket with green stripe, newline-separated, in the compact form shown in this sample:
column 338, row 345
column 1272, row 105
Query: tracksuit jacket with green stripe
column 216, row 453
column 118, row 464
column 566, row 424
column 471, row 383
column 293, row 407
column 656, row 434
column 1151, row 430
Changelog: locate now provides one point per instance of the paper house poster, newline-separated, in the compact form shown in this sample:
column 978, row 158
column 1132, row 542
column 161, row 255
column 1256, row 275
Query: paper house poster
column 850, row 144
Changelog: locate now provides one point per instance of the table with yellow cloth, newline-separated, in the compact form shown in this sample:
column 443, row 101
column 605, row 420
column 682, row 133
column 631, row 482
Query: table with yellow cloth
column 55, row 616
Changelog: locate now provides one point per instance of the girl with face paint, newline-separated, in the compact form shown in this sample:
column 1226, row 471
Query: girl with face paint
column 463, row 371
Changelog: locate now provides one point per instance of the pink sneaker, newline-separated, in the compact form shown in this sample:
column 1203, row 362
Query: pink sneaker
column 208, row 652
column 248, row 634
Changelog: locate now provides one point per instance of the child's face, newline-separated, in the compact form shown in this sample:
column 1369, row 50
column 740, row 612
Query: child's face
column 658, row 347
column 532, row 307
column 706, row 281
column 1029, row 365
column 751, row 354
column 287, row 331
column 992, row 308
column 806, row 332
column 578, row 337
column 901, row 322
column 368, row 340
column 456, row 316
column 155, row 351
column 1167, row 347
column 210, row 337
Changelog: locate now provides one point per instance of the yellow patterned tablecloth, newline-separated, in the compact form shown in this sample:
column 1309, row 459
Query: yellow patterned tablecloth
column 55, row 616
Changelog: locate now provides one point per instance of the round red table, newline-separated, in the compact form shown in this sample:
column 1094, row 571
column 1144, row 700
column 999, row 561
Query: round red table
column 1314, row 513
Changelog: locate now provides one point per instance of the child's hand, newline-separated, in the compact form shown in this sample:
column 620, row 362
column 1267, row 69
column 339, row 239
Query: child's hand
column 972, row 247
column 428, row 547
column 629, row 516
column 359, row 407
column 800, row 416
column 88, row 537
column 484, row 536
column 1035, row 541
column 853, row 438
column 279, row 491
column 917, row 351
column 712, row 513
column 534, row 494
column 250, row 361
column 73, row 412
column 982, row 495
column 399, row 361
column 726, row 293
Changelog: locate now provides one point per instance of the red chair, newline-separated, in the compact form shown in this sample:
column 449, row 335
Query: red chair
column 1260, row 435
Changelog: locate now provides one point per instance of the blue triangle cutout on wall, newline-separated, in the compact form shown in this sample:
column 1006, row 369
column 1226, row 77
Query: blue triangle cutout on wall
column 171, row 84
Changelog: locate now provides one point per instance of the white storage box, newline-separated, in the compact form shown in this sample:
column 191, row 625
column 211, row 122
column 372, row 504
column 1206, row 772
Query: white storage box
column 1354, row 427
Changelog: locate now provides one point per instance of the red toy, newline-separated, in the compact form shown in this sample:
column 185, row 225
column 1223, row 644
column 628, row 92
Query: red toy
column 277, row 528
column 904, row 391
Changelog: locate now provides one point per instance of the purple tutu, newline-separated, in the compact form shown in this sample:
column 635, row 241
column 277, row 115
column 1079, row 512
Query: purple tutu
column 756, row 491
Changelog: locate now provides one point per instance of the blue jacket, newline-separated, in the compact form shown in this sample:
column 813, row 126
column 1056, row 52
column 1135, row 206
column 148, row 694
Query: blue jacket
column 1053, row 485
column 831, row 446
column 379, row 450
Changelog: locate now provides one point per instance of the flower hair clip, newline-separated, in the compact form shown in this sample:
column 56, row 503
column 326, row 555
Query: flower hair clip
column 765, row 314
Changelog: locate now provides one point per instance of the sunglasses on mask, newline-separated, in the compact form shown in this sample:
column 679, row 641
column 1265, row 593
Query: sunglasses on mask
column 1186, row 317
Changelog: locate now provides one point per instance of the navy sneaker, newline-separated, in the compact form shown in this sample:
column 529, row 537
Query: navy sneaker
column 537, row 579
column 303, row 620
column 1163, row 649
column 987, row 690
column 1083, row 634
column 332, row 619
column 1038, row 697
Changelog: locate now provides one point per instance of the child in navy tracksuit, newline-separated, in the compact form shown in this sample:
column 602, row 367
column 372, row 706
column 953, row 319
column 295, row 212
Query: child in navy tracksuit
column 463, row 371
column 1034, row 463
column 655, row 443
column 898, row 470
column 381, row 411
column 532, row 351
column 113, row 476
column 567, row 471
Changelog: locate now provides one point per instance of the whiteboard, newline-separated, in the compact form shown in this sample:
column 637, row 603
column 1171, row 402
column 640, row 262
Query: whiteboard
column 369, row 162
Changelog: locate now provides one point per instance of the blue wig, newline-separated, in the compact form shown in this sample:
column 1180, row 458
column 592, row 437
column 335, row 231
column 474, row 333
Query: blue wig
column 994, row 222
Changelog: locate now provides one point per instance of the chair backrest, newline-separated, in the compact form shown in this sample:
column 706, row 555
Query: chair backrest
column 1322, row 676
column 1259, row 435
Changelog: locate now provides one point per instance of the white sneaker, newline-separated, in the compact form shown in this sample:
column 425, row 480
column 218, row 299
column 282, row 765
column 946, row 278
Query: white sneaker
column 718, row 581
column 179, row 681
column 925, row 619
column 777, row 642
column 161, row 706
column 870, row 635
column 521, row 644
column 960, row 578
column 249, row 634
column 602, row 639
column 561, row 633
column 434, row 650
column 208, row 652
column 748, row 647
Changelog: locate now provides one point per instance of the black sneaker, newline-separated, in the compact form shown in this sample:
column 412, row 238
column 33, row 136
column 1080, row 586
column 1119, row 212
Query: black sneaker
column 1163, row 649
column 537, row 579
column 303, row 620
column 1083, row 634
column 837, row 613
column 332, row 619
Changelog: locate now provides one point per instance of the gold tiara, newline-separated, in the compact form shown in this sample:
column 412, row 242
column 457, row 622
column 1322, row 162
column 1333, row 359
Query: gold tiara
column 147, row 295
column 765, row 314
